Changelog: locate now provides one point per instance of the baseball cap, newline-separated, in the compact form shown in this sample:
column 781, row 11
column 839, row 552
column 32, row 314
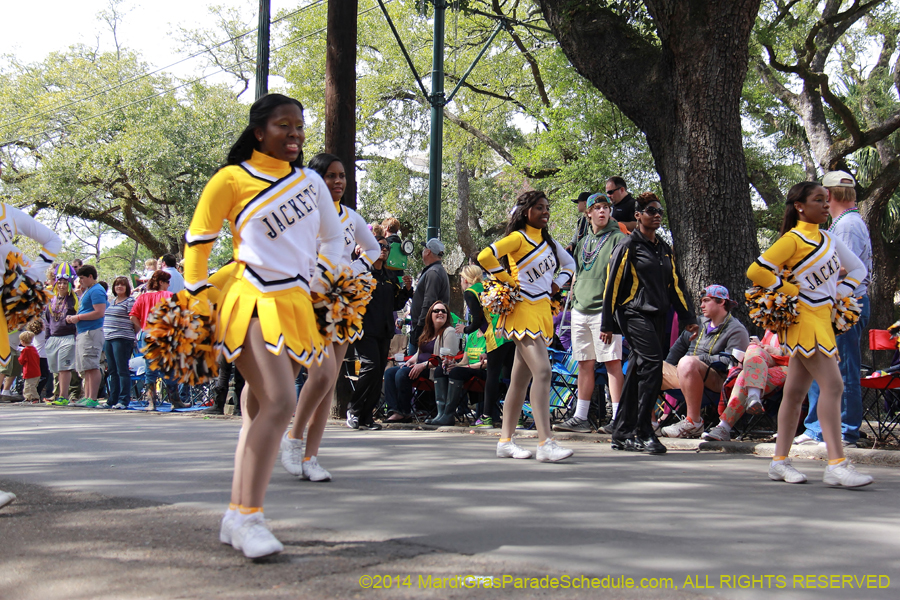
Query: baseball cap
column 718, row 291
column 838, row 179
column 582, row 197
column 435, row 246
column 597, row 198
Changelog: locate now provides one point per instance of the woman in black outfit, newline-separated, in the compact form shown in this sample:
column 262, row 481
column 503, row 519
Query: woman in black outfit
column 638, row 310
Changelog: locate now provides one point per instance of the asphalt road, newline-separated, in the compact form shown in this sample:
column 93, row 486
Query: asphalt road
column 126, row 505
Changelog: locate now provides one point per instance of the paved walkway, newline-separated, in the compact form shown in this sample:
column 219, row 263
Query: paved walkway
column 126, row 505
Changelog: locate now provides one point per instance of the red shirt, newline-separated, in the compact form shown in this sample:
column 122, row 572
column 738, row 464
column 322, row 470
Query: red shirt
column 145, row 304
column 31, row 362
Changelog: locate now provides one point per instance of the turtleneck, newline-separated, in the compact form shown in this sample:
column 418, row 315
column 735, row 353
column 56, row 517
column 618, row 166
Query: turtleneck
column 810, row 230
column 534, row 233
column 269, row 164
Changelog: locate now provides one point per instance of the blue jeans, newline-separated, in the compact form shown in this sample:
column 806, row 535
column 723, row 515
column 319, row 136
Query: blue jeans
column 151, row 376
column 851, row 401
column 118, row 352
column 398, row 390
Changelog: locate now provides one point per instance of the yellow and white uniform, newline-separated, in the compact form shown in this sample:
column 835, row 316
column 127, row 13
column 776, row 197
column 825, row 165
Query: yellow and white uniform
column 814, row 257
column 275, row 211
column 537, row 266
column 14, row 222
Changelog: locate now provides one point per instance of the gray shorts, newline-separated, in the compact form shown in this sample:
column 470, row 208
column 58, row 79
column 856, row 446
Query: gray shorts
column 88, row 346
column 60, row 353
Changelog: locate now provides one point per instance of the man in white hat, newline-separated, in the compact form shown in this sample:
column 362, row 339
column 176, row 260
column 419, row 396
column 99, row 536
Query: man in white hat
column 848, row 226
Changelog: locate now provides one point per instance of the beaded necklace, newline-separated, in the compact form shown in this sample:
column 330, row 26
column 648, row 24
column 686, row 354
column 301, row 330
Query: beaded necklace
column 589, row 255
column 841, row 216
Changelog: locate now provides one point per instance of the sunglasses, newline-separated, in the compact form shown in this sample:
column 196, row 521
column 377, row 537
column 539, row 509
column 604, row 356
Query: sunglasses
column 383, row 247
column 439, row 311
column 653, row 211
column 608, row 192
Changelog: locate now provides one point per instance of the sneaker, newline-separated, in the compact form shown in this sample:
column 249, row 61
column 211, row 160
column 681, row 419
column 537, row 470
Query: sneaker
column 521, row 423
column 550, row 451
column 755, row 407
column 60, row 402
column 511, row 450
column 485, row 423
column 849, row 444
column 371, row 426
column 685, row 428
column 785, row 471
column 6, row 498
column 119, row 406
column 254, row 539
column 313, row 471
column 352, row 420
column 845, row 475
column 573, row 424
column 292, row 455
column 805, row 440
column 226, row 529
column 87, row 403
column 607, row 429
column 717, row 433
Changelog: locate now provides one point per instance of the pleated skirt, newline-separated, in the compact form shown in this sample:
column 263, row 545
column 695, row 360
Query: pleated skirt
column 528, row 319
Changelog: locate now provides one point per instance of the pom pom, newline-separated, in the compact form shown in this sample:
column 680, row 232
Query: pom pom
column 340, row 310
column 894, row 330
column 845, row 314
column 180, row 339
column 556, row 305
column 771, row 310
column 500, row 298
column 22, row 297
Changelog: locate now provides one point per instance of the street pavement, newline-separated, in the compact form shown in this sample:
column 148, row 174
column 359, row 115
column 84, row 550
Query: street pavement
column 423, row 502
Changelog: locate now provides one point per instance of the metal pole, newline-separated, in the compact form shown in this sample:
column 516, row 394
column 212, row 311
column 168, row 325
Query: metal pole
column 437, row 99
column 262, row 49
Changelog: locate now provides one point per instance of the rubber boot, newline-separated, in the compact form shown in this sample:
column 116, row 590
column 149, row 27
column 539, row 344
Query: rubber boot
column 440, row 399
column 454, row 396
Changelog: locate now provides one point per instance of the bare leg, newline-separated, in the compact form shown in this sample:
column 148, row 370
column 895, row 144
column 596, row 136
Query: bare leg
column 65, row 378
column 795, row 388
column 515, row 395
column 586, row 379
column 616, row 380
column 532, row 363
column 91, row 383
column 323, row 411
column 690, row 377
column 319, row 380
column 831, row 389
column 272, row 380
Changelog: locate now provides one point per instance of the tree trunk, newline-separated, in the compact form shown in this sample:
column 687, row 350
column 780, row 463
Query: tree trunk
column 464, row 235
column 340, row 89
column 683, row 93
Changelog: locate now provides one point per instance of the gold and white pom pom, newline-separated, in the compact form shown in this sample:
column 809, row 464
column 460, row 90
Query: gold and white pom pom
column 22, row 297
column 771, row 310
column 180, row 339
column 845, row 314
column 339, row 311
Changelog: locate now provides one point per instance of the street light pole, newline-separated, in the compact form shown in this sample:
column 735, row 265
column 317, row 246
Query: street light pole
column 437, row 101
column 262, row 49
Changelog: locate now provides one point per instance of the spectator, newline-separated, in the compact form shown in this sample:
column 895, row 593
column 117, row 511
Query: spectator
column 118, row 332
column 149, row 269
column 583, row 225
column 88, row 322
column 398, row 381
column 60, row 345
column 847, row 226
column 36, row 326
column 77, row 264
column 433, row 286
column 624, row 205
column 377, row 230
column 12, row 369
column 31, row 366
column 176, row 281
column 702, row 362
column 391, row 230
column 374, row 346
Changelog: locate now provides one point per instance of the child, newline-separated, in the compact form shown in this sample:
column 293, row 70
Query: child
column 31, row 366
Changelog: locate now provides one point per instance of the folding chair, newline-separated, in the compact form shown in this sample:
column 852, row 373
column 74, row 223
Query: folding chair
column 881, row 398
column 563, row 384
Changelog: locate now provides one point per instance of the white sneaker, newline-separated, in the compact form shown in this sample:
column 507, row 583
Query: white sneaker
column 254, row 539
column 511, row 450
column 550, row 451
column 352, row 420
column 313, row 471
column 717, row 434
column 805, row 440
column 6, row 498
column 683, row 428
column 785, row 471
column 845, row 475
column 226, row 529
column 292, row 455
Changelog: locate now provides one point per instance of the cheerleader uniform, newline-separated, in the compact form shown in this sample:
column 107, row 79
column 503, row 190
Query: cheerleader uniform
column 814, row 257
column 275, row 211
column 14, row 222
column 534, row 263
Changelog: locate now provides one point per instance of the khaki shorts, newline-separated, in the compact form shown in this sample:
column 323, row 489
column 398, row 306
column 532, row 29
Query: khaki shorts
column 60, row 353
column 712, row 379
column 586, row 343
column 13, row 368
column 88, row 346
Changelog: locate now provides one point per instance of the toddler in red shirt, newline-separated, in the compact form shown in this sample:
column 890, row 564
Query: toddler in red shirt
column 31, row 366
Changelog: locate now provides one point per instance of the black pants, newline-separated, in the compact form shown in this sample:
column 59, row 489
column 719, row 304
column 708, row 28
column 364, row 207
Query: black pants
column 499, row 362
column 226, row 369
column 373, row 356
column 646, row 336
column 46, row 381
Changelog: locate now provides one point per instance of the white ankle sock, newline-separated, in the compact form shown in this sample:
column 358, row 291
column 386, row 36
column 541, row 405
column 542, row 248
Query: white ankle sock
column 754, row 393
column 581, row 411
column 615, row 409
column 725, row 426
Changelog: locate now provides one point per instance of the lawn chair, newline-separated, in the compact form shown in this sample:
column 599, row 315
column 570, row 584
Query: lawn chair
column 881, row 398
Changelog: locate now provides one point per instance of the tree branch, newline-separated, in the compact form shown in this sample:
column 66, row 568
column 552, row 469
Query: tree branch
column 532, row 63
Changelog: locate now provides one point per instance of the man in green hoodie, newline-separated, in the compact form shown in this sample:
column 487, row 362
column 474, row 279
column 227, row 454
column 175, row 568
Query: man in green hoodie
column 592, row 259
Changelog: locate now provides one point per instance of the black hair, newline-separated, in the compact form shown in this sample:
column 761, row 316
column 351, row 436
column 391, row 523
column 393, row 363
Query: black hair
column 519, row 219
column 320, row 163
column 169, row 259
column 87, row 271
column 798, row 193
column 618, row 181
column 104, row 285
column 260, row 112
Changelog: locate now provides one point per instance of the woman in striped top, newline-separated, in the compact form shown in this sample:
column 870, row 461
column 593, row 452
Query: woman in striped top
column 118, row 331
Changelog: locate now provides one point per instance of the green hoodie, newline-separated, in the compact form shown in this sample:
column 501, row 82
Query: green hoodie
column 590, row 278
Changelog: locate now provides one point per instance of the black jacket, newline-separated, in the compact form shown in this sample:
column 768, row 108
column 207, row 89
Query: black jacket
column 433, row 285
column 388, row 296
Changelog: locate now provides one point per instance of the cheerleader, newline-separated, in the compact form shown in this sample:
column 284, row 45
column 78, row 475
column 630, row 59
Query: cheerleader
column 815, row 259
column 314, row 401
column 266, row 324
column 532, row 254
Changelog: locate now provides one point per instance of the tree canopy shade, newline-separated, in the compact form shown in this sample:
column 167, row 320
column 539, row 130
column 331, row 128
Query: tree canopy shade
column 676, row 69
